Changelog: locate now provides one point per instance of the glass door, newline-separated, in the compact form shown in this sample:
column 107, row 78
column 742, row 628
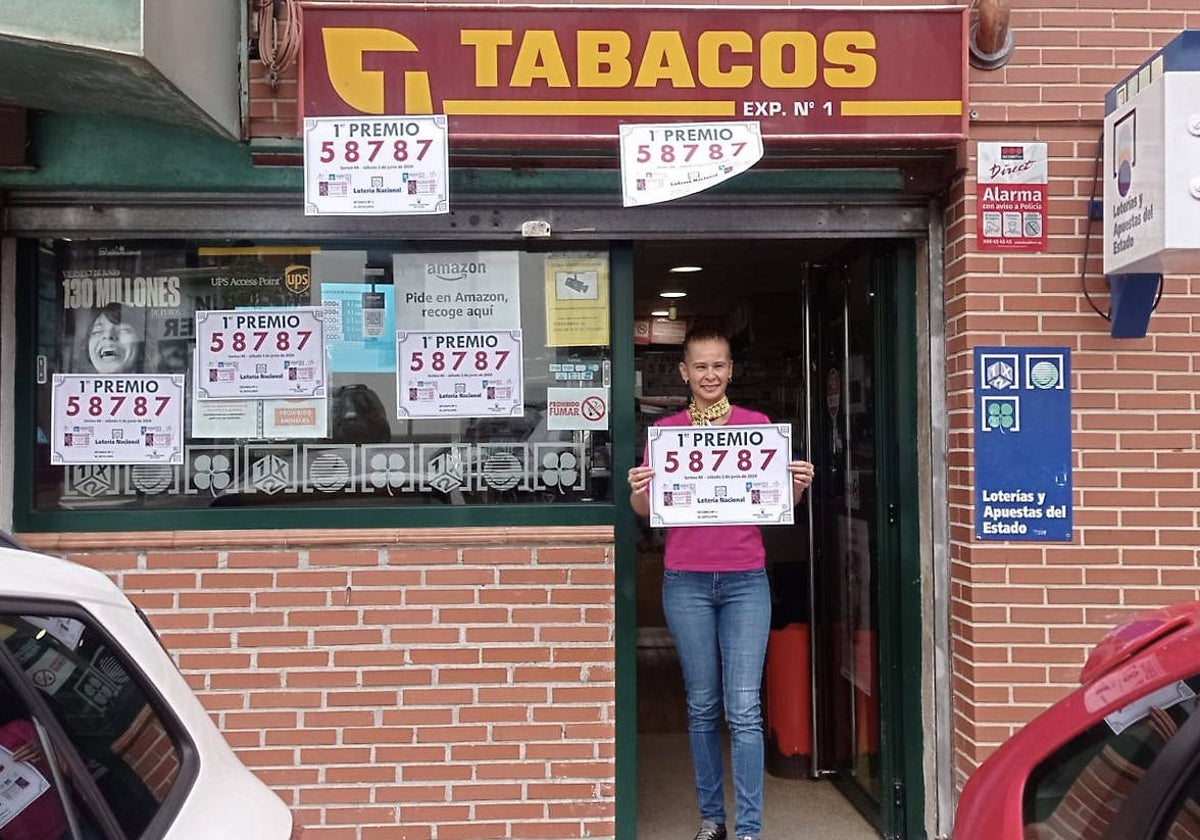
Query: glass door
column 852, row 534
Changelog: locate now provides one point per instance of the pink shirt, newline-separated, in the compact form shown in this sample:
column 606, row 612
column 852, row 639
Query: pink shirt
column 715, row 548
column 43, row 818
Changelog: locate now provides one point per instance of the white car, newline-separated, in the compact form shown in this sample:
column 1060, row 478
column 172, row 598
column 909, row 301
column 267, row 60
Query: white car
column 100, row 736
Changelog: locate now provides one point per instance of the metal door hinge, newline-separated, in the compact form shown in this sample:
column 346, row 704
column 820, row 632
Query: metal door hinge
column 898, row 794
column 891, row 509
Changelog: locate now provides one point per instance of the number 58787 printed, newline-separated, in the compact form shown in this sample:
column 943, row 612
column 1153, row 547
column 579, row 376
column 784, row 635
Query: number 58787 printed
column 720, row 475
column 116, row 419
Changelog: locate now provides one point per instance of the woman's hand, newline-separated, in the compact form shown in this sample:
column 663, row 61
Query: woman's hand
column 802, row 476
column 30, row 752
column 639, row 480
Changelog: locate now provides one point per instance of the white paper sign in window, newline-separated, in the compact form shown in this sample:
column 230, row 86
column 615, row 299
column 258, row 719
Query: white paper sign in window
column 376, row 166
column 459, row 374
column 577, row 409
column 261, row 353
column 458, row 290
column 661, row 162
column 132, row 419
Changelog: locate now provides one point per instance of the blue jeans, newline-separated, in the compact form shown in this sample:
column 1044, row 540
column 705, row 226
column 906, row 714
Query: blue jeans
column 720, row 621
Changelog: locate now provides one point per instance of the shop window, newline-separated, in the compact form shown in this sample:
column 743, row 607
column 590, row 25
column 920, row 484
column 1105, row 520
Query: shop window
column 97, row 699
column 446, row 377
column 1079, row 789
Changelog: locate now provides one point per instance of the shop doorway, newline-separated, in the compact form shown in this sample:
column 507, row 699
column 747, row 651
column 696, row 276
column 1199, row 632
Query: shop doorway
column 817, row 339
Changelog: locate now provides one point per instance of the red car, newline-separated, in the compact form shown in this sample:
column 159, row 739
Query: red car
column 1117, row 759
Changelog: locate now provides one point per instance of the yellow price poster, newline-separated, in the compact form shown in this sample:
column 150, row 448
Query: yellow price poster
column 577, row 300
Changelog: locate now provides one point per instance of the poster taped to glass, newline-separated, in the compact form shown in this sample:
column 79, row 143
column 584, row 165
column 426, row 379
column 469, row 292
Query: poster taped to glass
column 133, row 419
column 130, row 307
column 260, row 354
column 463, row 374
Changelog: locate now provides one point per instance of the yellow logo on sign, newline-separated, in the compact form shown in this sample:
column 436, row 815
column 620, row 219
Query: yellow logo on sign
column 297, row 279
column 363, row 89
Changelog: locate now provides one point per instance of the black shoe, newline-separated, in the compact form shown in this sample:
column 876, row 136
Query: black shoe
column 710, row 830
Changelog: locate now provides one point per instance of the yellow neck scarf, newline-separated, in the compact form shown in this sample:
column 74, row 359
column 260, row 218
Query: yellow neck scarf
column 706, row 416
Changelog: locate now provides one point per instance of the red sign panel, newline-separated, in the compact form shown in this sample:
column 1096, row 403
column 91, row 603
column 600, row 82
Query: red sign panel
column 569, row 76
column 1011, row 195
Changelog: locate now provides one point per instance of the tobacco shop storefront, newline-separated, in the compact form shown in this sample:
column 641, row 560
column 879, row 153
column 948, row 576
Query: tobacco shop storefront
column 406, row 581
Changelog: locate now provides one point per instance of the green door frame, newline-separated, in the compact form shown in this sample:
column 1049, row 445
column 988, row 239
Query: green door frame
column 624, row 430
column 899, row 519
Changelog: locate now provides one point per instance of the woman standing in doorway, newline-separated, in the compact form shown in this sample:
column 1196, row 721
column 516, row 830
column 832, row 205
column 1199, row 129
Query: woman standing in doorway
column 718, row 607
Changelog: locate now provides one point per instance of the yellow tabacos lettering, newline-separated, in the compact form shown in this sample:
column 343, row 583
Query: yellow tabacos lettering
column 709, row 59
column 605, row 58
column 487, row 44
column 849, row 54
column 780, row 49
column 609, row 59
column 540, row 58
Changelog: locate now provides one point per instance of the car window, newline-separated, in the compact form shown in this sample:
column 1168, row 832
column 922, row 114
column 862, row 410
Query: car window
column 1184, row 822
column 96, row 697
column 33, row 778
column 1077, row 791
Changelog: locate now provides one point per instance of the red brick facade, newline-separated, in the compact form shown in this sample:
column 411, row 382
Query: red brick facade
column 394, row 681
column 1024, row 616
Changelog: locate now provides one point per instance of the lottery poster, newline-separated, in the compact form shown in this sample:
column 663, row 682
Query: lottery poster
column 134, row 419
column 459, row 374
column 260, row 354
column 720, row 475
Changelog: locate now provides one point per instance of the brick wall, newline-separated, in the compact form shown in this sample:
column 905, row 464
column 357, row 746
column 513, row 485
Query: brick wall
column 1024, row 616
column 445, row 684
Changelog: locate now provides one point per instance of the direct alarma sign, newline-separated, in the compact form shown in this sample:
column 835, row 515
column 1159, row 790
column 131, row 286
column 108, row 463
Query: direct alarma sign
column 720, row 475
column 134, row 419
column 1011, row 193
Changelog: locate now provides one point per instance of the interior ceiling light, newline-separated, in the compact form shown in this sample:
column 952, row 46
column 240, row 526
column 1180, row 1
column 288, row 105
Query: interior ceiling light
column 685, row 269
column 670, row 295
column 659, row 313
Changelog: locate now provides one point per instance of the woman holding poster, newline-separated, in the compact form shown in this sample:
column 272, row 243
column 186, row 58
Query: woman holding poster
column 718, row 607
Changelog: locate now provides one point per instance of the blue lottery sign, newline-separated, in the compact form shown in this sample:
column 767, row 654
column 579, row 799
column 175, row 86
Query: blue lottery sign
column 1023, row 443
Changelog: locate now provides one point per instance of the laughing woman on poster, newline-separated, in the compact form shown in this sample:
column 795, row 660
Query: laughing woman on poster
column 718, row 607
column 111, row 344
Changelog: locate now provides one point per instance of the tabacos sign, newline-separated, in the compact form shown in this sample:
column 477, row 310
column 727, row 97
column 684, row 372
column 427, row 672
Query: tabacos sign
column 571, row 76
